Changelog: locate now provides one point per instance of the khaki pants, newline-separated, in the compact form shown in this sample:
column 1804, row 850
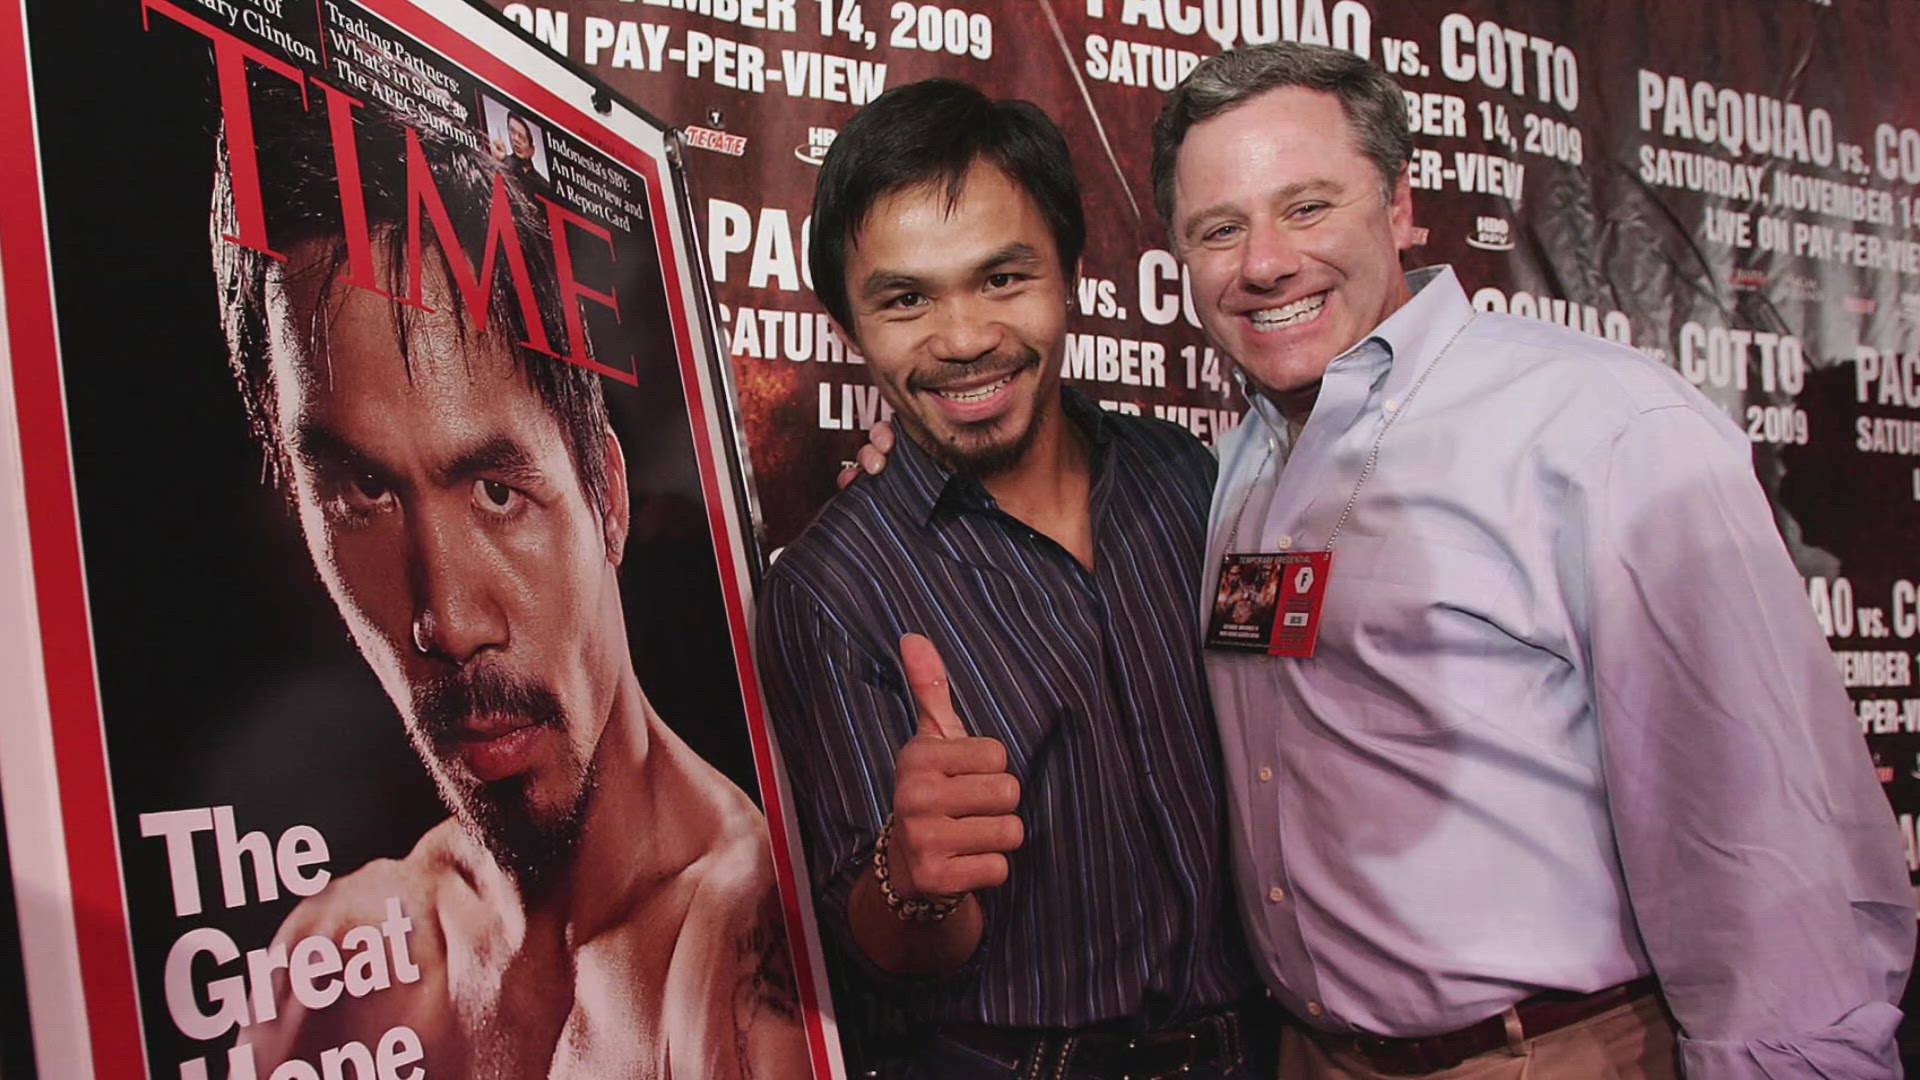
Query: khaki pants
column 1631, row 1042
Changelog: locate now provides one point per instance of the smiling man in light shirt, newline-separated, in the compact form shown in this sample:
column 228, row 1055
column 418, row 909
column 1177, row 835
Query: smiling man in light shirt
column 1551, row 773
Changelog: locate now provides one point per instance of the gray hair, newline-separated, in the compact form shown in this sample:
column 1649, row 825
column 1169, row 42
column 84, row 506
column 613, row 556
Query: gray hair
column 1375, row 106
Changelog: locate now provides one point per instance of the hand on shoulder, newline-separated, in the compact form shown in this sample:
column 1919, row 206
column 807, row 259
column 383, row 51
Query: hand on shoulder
column 872, row 457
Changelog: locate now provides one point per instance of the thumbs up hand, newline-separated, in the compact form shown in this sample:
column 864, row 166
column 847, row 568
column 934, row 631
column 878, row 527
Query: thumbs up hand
column 953, row 798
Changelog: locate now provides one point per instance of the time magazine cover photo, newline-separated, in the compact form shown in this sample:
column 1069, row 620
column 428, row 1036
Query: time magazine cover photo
column 414, row 586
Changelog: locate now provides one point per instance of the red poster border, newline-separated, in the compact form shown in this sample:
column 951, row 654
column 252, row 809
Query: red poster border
column 85, row 796
column 66, row 642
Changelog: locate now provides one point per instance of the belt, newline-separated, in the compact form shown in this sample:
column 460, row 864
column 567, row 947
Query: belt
column 1050, row 1053
column 1528, row 1019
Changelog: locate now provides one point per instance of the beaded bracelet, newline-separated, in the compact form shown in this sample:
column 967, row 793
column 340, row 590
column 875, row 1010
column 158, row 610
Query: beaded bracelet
column 919, row 912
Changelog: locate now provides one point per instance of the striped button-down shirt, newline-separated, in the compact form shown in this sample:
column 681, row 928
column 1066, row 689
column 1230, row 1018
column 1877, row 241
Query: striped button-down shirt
column 1119, row 903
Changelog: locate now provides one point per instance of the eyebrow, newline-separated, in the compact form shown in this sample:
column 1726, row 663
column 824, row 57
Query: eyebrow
column 1012, row 253
column 324, row 448
column 883, row 280
column 500, row 455
column 1285, row 194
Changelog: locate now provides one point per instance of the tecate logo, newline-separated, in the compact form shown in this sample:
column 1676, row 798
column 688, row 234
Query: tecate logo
column 718, row 141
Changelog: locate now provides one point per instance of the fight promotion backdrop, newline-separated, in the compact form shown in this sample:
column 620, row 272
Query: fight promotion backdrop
column 211, row 698
column 375, row 601
column 1733, row 186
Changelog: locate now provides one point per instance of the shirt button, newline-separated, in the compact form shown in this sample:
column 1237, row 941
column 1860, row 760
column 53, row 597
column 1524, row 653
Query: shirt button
column 1284, row 541
column 1276, row 894
column 1266, row 773
column 1391, row 405
column 1314, row 1008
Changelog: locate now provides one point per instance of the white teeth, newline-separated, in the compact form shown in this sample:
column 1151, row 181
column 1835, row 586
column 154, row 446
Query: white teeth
column 1299, row 311
column 981, row 394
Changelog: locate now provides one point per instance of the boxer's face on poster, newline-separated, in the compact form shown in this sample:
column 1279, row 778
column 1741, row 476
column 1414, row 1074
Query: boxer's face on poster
column 960, row 309
column 443, row 510
column 1292, row 250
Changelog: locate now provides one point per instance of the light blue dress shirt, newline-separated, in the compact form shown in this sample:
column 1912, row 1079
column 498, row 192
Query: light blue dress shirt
column 1569, row 721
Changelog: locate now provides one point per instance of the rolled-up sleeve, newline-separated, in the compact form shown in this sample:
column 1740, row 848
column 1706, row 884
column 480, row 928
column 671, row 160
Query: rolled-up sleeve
column 1764, row 868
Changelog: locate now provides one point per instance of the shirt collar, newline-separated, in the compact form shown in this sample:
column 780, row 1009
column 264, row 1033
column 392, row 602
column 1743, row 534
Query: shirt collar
column 1415, row 335
column 926, row 487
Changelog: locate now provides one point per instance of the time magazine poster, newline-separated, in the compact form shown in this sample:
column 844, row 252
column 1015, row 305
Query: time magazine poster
column 376, row 546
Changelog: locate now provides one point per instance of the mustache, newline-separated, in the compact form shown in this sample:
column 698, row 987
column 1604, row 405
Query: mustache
column 990, row 367
column 445, row 706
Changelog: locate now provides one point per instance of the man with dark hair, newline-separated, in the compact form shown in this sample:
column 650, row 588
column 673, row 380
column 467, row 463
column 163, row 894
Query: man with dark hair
column 600, row 902
column 1566, row 785
column 1029, row 863
column 518, row 154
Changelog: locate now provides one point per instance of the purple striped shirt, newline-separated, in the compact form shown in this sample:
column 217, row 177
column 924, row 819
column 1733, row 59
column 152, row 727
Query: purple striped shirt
column 1119, row 905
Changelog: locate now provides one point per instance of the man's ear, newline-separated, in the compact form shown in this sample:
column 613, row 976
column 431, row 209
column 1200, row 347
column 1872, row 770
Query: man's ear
column 615, row 525
column 1400, row 210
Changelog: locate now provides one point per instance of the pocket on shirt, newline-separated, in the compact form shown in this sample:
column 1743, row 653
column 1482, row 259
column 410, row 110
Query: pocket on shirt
column 1425, row 621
